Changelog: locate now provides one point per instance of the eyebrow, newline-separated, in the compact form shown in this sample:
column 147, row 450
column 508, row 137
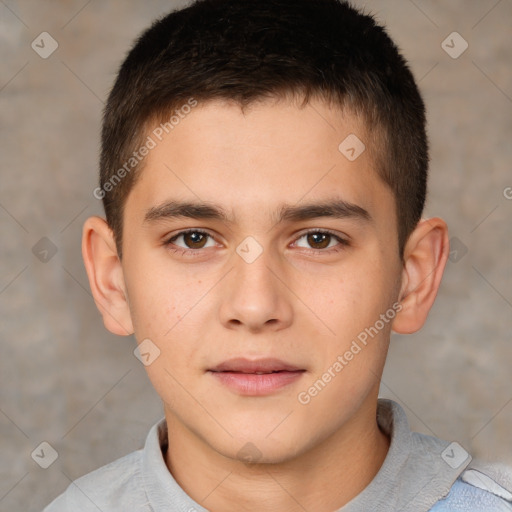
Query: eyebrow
column 336, row 208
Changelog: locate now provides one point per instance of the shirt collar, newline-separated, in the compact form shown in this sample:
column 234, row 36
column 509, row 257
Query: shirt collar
column 417, row 471
column 414, row 475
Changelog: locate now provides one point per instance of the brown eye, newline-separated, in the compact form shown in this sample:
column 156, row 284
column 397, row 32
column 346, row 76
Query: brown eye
column 192, row 239
column 319, row 240
column 195, row 240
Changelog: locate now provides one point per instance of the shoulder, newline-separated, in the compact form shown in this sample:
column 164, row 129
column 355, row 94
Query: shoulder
column 114, row 487
column 480, row 489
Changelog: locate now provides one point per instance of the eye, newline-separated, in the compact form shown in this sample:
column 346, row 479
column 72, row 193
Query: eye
column 321, row 240
column 192, row 239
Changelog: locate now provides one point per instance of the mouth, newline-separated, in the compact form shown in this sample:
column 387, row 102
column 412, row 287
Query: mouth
column 259, row 366
column 256, row 378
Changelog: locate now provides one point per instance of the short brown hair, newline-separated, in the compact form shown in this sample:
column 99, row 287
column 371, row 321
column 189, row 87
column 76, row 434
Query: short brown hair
column 246, row 51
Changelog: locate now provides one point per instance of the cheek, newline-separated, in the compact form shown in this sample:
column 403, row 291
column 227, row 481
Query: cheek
column 347, row 299
column 159, row 296
column 351, row 306
column 170, row 308
column 152, row 305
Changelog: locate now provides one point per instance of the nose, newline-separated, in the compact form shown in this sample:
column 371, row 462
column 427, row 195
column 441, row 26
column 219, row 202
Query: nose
column 255, row 295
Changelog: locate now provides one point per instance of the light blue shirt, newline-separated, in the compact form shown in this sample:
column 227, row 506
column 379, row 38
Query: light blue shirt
column 464, row 497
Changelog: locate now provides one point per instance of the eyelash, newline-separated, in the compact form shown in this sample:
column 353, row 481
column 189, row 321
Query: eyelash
column 342, row 242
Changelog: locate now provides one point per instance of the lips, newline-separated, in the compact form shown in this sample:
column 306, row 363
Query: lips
column 260, row 366
column 256, row 378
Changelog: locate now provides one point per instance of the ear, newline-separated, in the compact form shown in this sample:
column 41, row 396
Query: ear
column 425, row 256
column 106, row 276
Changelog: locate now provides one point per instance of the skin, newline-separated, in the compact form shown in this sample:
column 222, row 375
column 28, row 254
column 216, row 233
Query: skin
column 303, row 300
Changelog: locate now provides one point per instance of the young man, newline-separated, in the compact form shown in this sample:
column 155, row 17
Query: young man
column 263, row 173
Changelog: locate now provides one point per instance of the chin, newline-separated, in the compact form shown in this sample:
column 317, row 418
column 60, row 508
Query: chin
column 259, row 449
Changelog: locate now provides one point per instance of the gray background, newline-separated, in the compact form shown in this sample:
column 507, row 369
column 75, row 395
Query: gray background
column 65, row 380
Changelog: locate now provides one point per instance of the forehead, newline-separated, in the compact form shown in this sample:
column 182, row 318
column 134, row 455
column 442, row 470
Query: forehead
column 272, row 128
column 272, row 152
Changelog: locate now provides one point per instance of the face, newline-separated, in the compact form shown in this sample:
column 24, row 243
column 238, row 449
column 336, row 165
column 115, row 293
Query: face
column 252, row 244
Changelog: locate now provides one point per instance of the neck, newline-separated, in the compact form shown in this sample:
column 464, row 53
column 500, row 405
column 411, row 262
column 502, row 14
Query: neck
column 323, row 478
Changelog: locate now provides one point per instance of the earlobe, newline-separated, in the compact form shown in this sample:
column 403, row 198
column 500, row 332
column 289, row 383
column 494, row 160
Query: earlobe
column 425, row 256
column 105, row 275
